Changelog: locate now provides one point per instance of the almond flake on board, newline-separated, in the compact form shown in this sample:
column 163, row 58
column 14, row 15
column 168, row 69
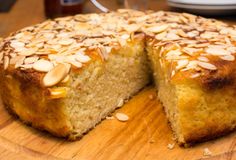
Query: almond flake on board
column 110, row 117
column 171, row 146
column 122, row 117
column 207, row 152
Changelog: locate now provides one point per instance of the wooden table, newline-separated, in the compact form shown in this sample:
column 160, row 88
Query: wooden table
column 145, row 136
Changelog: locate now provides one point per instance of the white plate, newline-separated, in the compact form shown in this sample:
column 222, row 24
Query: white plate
column 199, row 7
column 205, row 2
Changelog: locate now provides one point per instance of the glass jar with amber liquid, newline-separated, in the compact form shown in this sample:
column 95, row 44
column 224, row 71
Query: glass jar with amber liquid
column 57, row 8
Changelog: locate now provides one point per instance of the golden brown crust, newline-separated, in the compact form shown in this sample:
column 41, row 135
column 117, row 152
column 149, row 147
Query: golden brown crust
column 32, row 104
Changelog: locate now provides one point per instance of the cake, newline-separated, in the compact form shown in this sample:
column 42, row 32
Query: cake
column 74, row 71
column 193, row 63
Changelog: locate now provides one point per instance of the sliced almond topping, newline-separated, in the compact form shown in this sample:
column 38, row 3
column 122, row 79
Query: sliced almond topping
column 228, row 57
column 122, row 117
column 19, row 59
column 191, row 51
column 103, row 52
column 108, row 49
column 132, row 27
column 181, row 63
column 203, row 59
column 63, row 35
column 27, row 52
column 206, row 65
column 191, row 65
column 1, row 56
column 39, row 45
column 183, row 19
column 217, row 51
column 195, row 75
column 193, row 34
column 59, row 92
column 227, row 40
column 125, row 36
column 172, row 36
column 66, row 41
column 173, row 54
column 30, row 60
column 19, row 62
column 82, row 58
column 208, row 35
column 49, row 35
column 231, row 49
column 19, row 35
column 201, row 45
column 66, row 79
column 181, row 33
column 17, row 44
column 55, row 75
column 26, row 66
column 158, row 28
column 172, row 73
column 42, row 65
column 76, row 64
column 161, row 36
column 6, row 61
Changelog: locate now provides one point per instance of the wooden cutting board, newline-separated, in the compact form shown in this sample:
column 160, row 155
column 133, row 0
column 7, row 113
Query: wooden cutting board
column 144, row 137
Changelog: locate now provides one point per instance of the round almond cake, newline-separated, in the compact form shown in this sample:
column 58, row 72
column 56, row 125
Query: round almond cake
column 66, row 75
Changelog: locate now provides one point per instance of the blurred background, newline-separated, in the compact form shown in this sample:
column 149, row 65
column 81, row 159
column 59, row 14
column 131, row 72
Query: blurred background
column 16, row 14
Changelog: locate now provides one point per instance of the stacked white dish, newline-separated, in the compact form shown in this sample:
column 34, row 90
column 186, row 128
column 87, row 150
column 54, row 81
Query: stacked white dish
column 206, row 7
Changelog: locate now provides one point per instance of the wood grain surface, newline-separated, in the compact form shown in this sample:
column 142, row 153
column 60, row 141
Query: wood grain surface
column 144, row 136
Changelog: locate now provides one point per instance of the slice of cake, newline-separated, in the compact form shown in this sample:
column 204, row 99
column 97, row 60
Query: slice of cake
column 194, row 66
column 66, row 75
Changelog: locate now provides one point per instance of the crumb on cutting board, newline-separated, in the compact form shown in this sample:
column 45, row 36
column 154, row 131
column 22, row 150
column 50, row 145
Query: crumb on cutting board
column 171, row 146
column 207, row 152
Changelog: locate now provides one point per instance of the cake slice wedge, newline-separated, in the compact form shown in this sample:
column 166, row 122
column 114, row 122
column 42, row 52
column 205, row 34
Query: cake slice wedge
column 66, row 75
column 197, row 91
